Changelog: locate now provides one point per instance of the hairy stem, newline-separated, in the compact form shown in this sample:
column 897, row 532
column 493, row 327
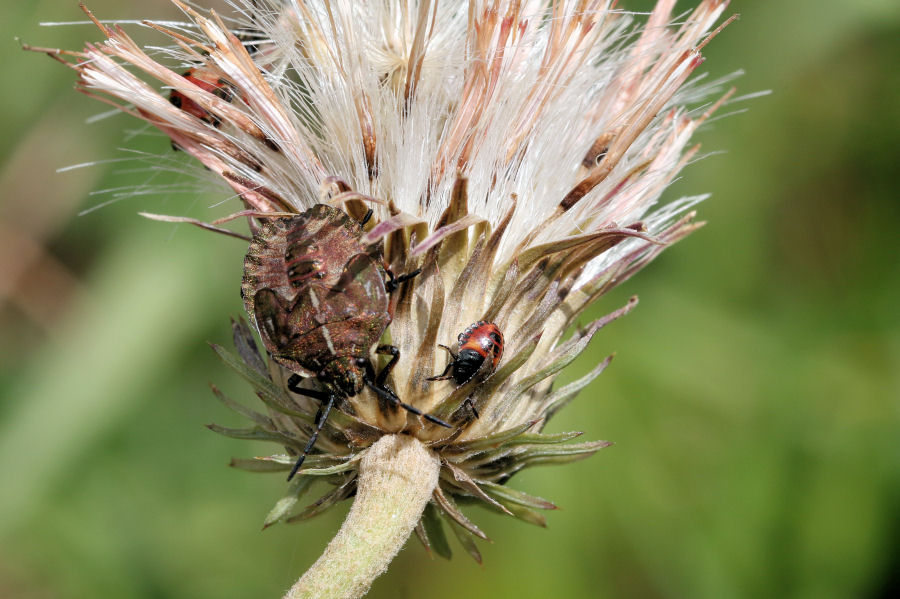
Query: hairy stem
column 396, row 478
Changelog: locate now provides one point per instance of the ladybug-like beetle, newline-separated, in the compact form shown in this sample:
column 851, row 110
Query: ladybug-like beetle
column 481, row 342
column 319, row 298
column 208, row 81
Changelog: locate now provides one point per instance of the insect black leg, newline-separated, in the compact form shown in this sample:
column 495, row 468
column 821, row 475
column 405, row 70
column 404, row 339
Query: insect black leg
column 321, row 417
column 293, row 385
column 387, row 394
column 394, row 282
column 395, row 355
column 327, row 401
column 444, row 376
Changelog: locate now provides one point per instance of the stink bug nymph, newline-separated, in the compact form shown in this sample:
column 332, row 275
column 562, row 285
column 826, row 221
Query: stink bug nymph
column 480, row 350
column 208, row 81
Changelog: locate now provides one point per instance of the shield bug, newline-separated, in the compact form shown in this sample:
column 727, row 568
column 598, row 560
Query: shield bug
column 480, row 348
column 319, row 298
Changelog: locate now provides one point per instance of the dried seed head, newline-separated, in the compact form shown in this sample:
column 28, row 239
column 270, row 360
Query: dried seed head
column 513, row 150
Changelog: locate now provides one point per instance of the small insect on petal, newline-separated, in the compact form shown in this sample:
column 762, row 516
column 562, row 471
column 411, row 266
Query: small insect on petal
column 480, row 349
column 208, row 81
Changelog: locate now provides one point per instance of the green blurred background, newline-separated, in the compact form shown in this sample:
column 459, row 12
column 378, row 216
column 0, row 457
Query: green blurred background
column 754, row 400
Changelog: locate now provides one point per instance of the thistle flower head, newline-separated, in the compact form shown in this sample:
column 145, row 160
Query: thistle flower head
column 511, row 151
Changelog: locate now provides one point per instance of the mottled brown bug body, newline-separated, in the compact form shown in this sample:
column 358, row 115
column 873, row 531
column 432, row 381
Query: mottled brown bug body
column 319, row 298
column 287, row 253
column 327, row 329
column 317, row 294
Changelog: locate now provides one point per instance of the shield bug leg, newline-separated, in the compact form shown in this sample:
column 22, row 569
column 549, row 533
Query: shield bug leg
column 327, row 401
column 321, row 417
column 394, row 282
column 293, row 385
column 389, row 350
column 388, row 395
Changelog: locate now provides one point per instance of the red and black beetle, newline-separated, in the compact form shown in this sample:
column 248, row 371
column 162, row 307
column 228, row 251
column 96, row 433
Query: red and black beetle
column 208, row 81
column 319, row 298
column 480, row 347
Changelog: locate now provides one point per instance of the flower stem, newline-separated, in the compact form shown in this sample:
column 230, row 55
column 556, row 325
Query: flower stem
column 396, row 478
